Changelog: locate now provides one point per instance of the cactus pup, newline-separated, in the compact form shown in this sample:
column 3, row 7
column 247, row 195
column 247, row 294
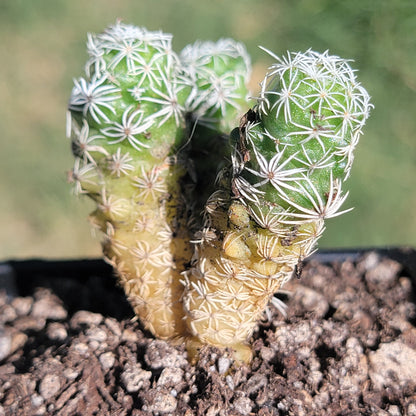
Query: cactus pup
column 219, row 72
column 127, row 126
column 292, row 154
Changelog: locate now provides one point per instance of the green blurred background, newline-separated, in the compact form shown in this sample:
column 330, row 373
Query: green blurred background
column 42, row 47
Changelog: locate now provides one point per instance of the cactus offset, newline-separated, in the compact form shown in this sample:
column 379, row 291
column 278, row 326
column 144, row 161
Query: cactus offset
column 127, row 124
column 292, row 154
column 219, row 73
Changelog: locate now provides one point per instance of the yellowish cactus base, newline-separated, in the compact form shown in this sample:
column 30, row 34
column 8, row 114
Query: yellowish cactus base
column 236, row 276
column 148, row 246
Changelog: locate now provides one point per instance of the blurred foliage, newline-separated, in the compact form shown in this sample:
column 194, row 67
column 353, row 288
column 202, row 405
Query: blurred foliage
column 42, row 47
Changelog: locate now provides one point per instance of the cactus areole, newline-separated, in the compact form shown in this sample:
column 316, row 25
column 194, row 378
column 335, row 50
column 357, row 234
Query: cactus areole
column 150, row 134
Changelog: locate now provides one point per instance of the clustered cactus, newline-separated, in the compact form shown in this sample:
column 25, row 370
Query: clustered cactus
column 150, row 136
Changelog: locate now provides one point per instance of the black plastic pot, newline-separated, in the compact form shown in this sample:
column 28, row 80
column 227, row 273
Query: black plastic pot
column 92, row 278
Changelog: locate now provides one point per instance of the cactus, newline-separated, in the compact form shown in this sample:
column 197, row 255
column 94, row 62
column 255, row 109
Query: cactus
column 127, row 125
column 219, row 73
column 292, row 154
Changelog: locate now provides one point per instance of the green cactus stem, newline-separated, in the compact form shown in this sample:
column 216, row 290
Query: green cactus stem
column 292, row 154
column 127, row 126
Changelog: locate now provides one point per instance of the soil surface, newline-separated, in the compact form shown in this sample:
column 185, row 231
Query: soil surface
column 69, row 346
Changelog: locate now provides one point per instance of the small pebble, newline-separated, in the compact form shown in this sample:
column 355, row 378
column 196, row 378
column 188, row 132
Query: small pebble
column 113, row 326
column 29, row 323
column 11, row 341
column 86, row 318
column 267, row 353
column 223, row 364
column 40, row 411
column 96, row 334
column 314, row 378
column 163, row 403
column 170, row 377
column 95, row 345
column 134, row 378
column 71, row 374
column 18, row 341
column 160, row 354
column 56, row 331
column 213, row 411
column 393, row 364
column 369, row 261
column 322, row 399
column 81, row 348
column 411, row 409
column 7, row 314
column 255, row 383
column 107, row 360
column 243, row 405
column 384, row 274
column 394, row 410
column 37, row 400
column 311, row 301
column 230, row 382
column 48, row 306
column 129, row 336
column 49, row 386
column 5, row 344
column 22, row 305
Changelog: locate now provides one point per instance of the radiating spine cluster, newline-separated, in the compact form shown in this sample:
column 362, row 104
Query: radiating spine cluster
column 292, row 154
